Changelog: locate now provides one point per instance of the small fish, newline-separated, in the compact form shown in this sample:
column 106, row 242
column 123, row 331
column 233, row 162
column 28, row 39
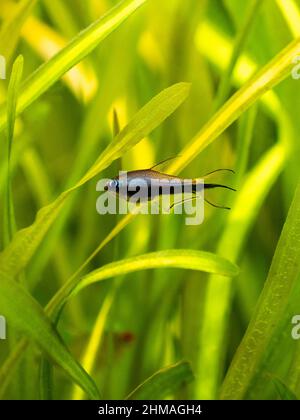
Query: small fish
column 131, row 182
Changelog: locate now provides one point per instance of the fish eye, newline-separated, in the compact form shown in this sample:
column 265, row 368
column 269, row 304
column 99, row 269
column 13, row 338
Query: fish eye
column 114, row 183
column 111, row 185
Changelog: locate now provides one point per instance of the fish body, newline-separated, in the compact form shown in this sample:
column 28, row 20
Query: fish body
column 150, row 184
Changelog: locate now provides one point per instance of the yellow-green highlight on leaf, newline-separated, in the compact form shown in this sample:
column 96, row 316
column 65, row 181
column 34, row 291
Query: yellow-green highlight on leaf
column 24, row 244
column 82, row 226
column 179, row 258
column 25, row 315
column 269, row 76
column 270, row 309
column 163, row 383
column 71, row 55
column 185, row 259
column 61, row 14
column 12, row 26
column 291, row 14
column 144, row 122
column 265, row 79
column 267, row 171
column 9, row 224
column 254, row 191
column 81, row 79
column 241, row 38
column 245, row 68
column 10, row 365
column 93, row 347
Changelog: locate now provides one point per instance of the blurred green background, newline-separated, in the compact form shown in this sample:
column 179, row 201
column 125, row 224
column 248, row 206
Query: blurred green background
column 130, row 326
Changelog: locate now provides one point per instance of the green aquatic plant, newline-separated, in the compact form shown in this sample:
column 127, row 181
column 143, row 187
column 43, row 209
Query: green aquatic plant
column 143, row 306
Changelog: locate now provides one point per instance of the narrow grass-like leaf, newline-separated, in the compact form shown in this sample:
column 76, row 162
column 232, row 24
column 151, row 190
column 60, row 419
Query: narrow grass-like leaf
column 26, row 315
column 81, row 79
column 12, row 98
column 269, row 76
column 245, row 136
column 19, row 252
column 179, row 258
column 283, row 391
column 11, row 28
column 241, row 38
column 77, row 49
column 291, row 13
column 154, row 339
column 93, row 346
column 265, row 79
column 144, row 122
column 46, row 380
column 116, row 123
column 240, row 219
column 24, row 244
column 218, row 295
column 272, row 303
column 293, row 376
column 10, row 365
column 163, row 383
column 62, row 16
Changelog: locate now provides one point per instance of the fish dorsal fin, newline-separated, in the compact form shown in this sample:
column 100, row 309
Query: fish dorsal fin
column 163, row 161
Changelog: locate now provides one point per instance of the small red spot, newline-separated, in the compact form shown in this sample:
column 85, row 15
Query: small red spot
column 126, row 337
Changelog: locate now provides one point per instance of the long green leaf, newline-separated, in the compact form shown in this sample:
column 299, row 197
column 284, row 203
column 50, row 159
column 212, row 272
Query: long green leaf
column 271, row 307
column 265, row 79
column 78, row 48
column 186, row 259
column 218, row 295
column 11, row 28
column 163, row 383
column 143, row 123
column 239, row 44
column 26, row 315
column 12, row 98
column 269, row 76
column 24, row 244
column 93, row 346
column 182, row 258
column 10, row 365
column 291, row 13
column 179, row 258
column 16, row 256
column 252, row 91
